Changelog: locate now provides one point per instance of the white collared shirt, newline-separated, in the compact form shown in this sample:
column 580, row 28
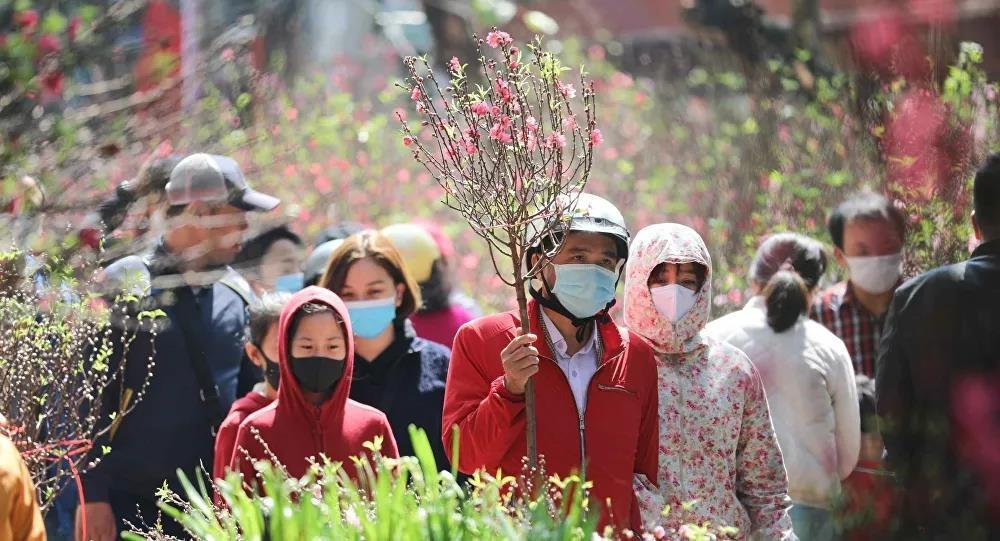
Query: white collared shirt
column 580, row 367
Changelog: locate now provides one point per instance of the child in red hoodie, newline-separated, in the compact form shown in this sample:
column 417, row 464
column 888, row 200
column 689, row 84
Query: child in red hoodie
column 262, row 349
column 312, row 416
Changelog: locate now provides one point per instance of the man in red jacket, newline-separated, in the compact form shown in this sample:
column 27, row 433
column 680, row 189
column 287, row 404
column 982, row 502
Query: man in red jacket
column 596, row 401
column 313, row 415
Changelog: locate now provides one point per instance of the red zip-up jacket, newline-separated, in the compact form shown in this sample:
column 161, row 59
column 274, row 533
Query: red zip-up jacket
column 618, row 434
column 226, row 437
column 293, row 429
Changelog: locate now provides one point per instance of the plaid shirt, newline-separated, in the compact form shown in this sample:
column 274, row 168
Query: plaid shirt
column 838, row 310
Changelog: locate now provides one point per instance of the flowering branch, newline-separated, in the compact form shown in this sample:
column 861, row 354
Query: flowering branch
column 512, row 155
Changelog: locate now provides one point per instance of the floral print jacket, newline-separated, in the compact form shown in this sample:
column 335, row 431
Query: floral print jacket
column 719, row 458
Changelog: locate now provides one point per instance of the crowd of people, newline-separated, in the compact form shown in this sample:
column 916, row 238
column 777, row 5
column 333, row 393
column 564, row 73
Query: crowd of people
column 811, row 413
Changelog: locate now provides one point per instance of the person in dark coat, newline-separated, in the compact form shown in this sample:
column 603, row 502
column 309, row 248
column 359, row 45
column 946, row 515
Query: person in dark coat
column 174, row 415
column 938, row 386
column 398, row 372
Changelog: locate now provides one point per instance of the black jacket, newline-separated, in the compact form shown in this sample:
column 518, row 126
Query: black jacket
column 169, row 429
column 406, row 382
column 938, row 395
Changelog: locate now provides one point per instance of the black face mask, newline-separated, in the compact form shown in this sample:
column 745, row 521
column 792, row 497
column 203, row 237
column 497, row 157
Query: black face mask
column 317, row 374
column 272, row 370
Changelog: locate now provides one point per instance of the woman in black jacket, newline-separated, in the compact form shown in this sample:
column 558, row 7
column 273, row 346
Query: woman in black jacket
column 397, row 372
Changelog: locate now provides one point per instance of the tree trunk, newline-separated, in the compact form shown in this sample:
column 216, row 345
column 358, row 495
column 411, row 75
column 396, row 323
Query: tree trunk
column 529, row 389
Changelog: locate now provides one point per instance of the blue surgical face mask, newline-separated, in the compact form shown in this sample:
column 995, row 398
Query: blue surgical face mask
column 584, row 289
column 289, row 283
column 369, row 319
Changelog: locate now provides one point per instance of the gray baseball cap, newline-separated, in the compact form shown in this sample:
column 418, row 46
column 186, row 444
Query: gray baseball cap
column 213, row 178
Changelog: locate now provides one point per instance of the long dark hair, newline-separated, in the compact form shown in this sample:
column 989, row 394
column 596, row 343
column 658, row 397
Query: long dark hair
column 789, row 267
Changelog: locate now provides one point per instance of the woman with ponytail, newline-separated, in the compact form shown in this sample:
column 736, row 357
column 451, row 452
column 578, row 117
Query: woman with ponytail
column 808, row 377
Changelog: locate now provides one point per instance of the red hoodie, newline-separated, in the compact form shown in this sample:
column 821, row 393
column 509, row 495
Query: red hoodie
column 620, row 425
column 293, row 429
column 226, row 438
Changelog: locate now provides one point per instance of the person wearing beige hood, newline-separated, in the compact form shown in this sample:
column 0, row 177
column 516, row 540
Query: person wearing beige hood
column 719, row 458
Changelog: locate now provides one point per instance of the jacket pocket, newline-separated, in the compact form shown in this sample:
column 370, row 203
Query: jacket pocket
column 617, row 389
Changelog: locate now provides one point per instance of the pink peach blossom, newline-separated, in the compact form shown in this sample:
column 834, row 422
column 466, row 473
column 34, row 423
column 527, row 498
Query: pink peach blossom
column 555, row 139
column 596, row 137
column 498, row 38
column 567, row 90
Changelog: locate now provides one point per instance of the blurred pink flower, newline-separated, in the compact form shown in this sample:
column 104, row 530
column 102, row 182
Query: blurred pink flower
column 26, row 20
column 621, row 80
column 73, row 28
column 569, row 123
column 408, row 141
column 530, row 141
column 480, row 108
column 416, row 94
column 567, row 90
column 228, row 55
column 596, row 137
column 735, row 296
column 501, row 131
column 555, row 139
column 784, row 135
column 52, row 84
column 48, row 44
column 596, row 52
column 513, row 62
column 498, row 38
column 470, row 145
column 454, row 65
column 399, row 113
column 322, row 184
column 292, row 114
column 531, row 124
column 503, row 88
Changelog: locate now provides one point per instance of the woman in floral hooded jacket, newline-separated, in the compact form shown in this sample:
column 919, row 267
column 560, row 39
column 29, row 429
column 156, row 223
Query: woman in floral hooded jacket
column 719, row 458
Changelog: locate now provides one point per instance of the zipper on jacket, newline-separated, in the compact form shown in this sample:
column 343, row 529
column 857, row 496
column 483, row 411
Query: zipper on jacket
column 580, row 414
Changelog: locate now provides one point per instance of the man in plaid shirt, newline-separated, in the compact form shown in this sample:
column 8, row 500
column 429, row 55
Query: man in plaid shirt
column 868, row 233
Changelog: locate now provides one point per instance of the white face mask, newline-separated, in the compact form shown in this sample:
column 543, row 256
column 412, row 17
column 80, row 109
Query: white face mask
column 876, row 274
column 673, row 301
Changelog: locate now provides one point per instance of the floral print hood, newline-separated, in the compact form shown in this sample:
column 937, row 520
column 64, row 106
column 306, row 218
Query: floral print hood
column 666, row 243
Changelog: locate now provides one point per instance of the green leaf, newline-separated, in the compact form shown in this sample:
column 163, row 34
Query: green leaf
column 53, row 22
column 243, row 101
column 88, row 13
